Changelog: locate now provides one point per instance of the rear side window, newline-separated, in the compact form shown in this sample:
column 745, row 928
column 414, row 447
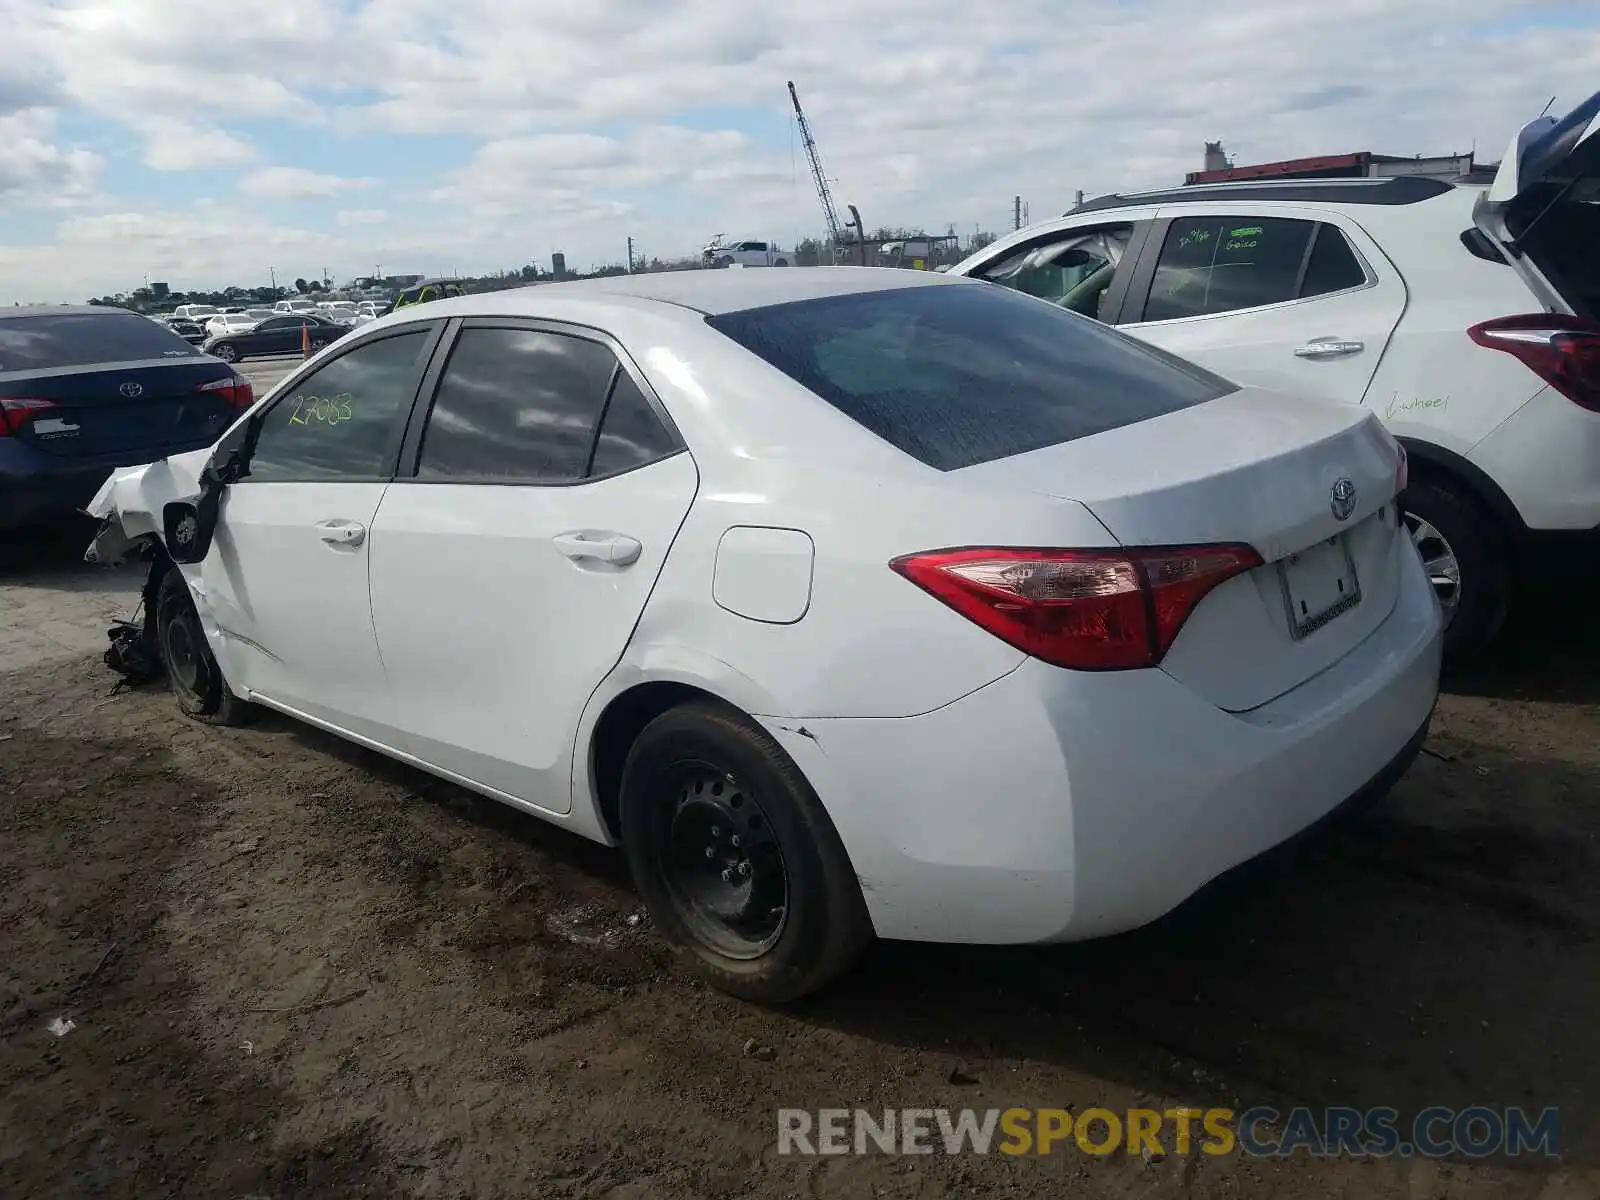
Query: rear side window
column 516, row 406
column 1333, row 266
column 49, row 341
column 965, row 373
column 631, row 434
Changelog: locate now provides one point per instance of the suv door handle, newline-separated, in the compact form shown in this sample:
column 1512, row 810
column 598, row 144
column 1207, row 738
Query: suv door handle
column 1329, row 348
column 615, row 548
column 339, row 532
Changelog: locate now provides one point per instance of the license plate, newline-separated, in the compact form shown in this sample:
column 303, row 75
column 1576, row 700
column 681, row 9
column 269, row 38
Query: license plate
column 1319, row 584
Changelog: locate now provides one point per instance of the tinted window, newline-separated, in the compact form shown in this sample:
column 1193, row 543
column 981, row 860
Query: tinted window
column 516, row 404
column 343, row 421
column 1218, row 264
column 965, row 373
column 280, row 323
column 77, row 339
column 631, row 434
column 1333, row 266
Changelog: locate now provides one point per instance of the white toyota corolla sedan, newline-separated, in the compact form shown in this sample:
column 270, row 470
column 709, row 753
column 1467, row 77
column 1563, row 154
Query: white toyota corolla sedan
column 850, row 602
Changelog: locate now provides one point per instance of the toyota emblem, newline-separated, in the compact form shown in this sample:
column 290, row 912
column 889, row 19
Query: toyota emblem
column 132, row 390
column 1342, row 500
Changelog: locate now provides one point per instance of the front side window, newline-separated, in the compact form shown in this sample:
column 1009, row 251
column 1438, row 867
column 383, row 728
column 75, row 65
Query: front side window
column 516, row 405
column 1217, row 264
column 344, row 420
column 1073, row 272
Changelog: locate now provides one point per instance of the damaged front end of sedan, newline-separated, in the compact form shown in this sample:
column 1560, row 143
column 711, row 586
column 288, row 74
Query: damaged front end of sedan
column 163, row 513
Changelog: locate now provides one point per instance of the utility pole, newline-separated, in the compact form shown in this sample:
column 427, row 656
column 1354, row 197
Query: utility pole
column 630, row 256
column 272, row 274
column 1016, row 212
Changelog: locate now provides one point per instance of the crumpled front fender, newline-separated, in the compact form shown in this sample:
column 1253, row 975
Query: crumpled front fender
column 130, row 502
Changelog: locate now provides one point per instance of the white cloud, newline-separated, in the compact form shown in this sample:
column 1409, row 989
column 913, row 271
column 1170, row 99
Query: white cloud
column 360, row 216
column 34, row 171
column 296, row 183
column 580, row 125
column 173, row 144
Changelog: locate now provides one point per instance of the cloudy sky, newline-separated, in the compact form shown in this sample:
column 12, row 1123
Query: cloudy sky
column 202, row 141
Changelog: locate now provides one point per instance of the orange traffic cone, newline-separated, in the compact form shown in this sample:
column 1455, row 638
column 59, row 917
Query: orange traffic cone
column 305, row 341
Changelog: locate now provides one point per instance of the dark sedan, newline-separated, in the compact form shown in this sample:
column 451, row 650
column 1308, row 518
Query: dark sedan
column 84, row 390
column 285, row 334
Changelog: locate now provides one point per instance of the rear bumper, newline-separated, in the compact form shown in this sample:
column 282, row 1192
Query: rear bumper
column 1054, row 806
column 39, row 497
column 1546, row 458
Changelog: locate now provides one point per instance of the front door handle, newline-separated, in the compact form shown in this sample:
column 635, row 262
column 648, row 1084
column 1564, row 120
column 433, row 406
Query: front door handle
column 615, row 548
column 1329, row 348
column 341, row 533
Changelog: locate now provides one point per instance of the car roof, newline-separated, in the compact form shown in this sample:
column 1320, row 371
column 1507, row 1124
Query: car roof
column 64, row 310
column 1402, row 189
column 732, row 290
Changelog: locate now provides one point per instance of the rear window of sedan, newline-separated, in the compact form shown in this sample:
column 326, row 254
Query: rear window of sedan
column 48, row 341
column 968, row 373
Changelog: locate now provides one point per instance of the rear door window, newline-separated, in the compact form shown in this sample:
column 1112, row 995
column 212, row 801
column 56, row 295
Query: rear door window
column 54, row 340
column 516, row 406
column 1216, row 264
column 963, row 373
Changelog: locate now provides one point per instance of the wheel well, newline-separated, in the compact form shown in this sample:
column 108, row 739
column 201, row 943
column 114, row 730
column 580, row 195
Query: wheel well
column 1438, row 465
column 622, row 722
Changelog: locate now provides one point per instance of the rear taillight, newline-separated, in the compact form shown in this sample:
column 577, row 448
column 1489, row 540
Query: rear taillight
column 236, row 390
column 1091, row 610
column 1563, row 351
column 15, row 412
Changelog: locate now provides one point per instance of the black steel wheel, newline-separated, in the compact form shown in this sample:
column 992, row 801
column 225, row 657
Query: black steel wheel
column 721, row 862
column 192, row 672
column 736, row 858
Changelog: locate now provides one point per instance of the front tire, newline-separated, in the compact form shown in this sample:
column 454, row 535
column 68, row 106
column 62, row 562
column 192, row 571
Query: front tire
column 1467, row 560
column 192, row 673
column 735, row 857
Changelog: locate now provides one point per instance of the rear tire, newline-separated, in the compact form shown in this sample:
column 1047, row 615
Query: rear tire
column 735, row 857
column 1468, row 561
column 192, row 673
column 782, row 262
column 227, row 352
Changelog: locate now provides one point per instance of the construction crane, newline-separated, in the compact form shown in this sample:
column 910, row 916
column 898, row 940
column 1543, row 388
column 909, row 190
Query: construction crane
column 824, row 193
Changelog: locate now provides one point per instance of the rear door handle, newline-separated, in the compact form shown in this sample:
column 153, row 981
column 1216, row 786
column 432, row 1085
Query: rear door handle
column 615, row 548
column 1329, row 348
column 339, row 532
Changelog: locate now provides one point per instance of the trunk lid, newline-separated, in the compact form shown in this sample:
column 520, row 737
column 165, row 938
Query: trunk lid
column 1543, row 209
column 1309, row 485
column 148, row 408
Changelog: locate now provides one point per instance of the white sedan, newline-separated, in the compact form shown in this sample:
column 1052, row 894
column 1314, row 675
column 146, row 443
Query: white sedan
column 225, row 323
column 848, row 601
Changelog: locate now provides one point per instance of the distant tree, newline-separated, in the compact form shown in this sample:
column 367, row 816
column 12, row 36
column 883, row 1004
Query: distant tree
column 300, row 286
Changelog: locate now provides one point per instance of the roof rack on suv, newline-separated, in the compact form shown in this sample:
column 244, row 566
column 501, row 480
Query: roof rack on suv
column 1400, row 189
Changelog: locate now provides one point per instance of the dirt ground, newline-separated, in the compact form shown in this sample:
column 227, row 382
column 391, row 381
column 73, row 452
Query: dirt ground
column 297, row 969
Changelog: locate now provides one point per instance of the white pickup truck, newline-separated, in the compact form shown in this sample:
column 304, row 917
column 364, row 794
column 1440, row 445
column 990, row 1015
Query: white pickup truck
column 745, row 254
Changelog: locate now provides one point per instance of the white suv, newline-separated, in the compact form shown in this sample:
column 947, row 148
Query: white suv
column 1467, row 319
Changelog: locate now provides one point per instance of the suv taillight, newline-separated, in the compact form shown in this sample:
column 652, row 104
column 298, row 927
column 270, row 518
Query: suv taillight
column 17, row 411
column 236, row 390
column 1563, row 351
column 1090, row 610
